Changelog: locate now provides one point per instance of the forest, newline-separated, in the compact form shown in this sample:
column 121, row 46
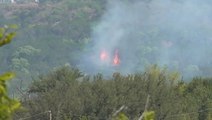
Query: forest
column 105, row 60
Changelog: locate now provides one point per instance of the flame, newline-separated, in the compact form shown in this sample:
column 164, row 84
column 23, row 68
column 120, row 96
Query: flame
column 116, row 59
column 104, row 55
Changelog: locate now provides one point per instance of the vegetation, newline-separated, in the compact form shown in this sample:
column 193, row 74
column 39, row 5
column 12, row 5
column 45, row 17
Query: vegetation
column 7, row 105
column 64, row 26
column 57, row 32
column 50, row 25
column 71, row 95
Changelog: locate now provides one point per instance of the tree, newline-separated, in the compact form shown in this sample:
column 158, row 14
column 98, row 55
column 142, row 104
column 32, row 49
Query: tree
column 7, row 105
column 199, row 92
column 77, row 96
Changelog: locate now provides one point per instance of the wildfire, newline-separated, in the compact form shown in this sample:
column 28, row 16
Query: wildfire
column 116, row 59
column 104, row 56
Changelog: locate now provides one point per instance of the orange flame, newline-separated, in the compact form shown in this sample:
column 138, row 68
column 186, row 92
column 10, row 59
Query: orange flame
column 116, row 60
column 104, row 55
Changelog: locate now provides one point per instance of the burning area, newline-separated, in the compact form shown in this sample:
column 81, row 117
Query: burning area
column 132, row 35
column 116, row 59
column 104, row 56
column 111, row 59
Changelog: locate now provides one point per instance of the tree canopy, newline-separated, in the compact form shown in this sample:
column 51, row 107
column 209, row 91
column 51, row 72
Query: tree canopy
column 7, row 104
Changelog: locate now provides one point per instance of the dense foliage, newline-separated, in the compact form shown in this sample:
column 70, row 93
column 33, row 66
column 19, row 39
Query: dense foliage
column 7, row 104
column 57, row 32
column 49, row 35
column 46, row 28
column 71, row 95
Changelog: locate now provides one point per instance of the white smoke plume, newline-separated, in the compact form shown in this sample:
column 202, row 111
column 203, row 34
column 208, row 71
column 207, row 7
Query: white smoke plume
column 174, row 33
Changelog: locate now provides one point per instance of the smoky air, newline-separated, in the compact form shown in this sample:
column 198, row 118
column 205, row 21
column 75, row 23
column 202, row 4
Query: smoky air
column 175, row 34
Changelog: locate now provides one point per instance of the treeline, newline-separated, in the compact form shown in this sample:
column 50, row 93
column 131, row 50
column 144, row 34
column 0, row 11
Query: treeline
column 70, row 95
column 60, row 31
column 53, row 24
column 57, row 32
column 53, row 33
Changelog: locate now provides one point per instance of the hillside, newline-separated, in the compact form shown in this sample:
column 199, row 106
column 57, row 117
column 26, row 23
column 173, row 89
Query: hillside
column 54, row 33
column 109, row 59
column 46, row 26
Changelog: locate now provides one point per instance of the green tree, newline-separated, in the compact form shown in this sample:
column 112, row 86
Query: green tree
column 7, row 105
column 96, row 98
column 199, row 92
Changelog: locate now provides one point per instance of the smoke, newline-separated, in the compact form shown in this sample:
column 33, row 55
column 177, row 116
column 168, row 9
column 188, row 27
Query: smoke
column 172, row 33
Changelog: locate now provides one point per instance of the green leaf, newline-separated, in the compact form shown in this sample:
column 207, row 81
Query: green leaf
column 15, row 105
column 2, row 31
column 2, row 90
column 7, row 76
column 6, row 38
column 149, row 115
